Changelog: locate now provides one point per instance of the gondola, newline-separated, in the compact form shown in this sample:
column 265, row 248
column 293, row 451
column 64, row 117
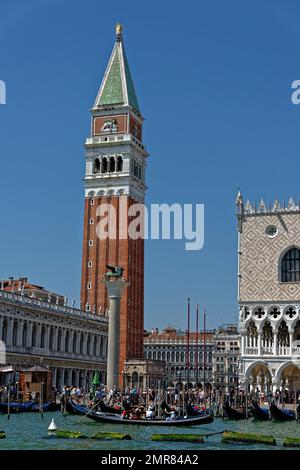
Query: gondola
column 75, row 408
column 116, row 419
column 261, row 414
column 47, row 406
column 194, row 410
column 109, row 409
column 281, row 415
column 16, row 407
column 232, row 413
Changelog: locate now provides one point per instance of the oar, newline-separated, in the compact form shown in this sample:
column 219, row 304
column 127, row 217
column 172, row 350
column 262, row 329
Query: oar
column 88, row 412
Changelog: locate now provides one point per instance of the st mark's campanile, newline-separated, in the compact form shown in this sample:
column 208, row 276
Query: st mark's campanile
column 115, row 174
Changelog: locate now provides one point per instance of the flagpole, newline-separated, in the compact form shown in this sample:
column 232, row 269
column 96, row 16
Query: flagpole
column 204, row 349
column 188, row 344
column 197, row 339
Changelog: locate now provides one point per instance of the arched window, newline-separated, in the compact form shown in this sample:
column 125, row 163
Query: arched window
column 283, row 335
column 104, row 165
column 267, row 334
column 290, row 266
column 101, row 346
column 119, row 164
column 252, row 335
column 51, row 338
column 59, row 340
column 4, row 331
column 24, row 334
column 33, row 338
column 67, row 341
column 74, row 342
column 15, row 333
column 112, row 164
column 97, row 166
column 135, row 379
column 88, row 345
column 43, row 337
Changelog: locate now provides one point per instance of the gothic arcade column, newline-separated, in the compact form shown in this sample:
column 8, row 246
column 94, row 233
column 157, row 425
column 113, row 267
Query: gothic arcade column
column 291, row 341
column 275, row 344
column 259, row 343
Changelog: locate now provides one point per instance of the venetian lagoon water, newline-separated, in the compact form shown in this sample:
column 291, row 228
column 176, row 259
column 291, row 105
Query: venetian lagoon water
column 29, row 431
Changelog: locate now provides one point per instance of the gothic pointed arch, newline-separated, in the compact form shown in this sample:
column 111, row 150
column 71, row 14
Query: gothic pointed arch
column 289, row 263
column 283, row 336
column 267, row 334
column 252, row 334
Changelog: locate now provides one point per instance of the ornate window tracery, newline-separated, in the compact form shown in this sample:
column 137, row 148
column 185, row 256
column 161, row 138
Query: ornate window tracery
column 267, row 334
column 283, row 335
column 252, row 334
column 259, row 313
column 275, row 313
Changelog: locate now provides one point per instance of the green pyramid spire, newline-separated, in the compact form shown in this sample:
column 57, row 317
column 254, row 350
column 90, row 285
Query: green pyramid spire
column 112, row 92
column 117, row 87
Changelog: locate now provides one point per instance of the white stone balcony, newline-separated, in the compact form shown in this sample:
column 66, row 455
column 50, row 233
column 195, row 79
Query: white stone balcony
column 269, row 351
column 105, row 139
column 251, row 351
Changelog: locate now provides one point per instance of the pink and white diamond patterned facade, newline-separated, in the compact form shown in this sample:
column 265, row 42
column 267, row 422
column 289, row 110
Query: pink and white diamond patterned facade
column 269, row 295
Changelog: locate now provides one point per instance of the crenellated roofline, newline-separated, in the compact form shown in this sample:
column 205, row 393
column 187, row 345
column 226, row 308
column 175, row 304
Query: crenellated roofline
column 264, row 208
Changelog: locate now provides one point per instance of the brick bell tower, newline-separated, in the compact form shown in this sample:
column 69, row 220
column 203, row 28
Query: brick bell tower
column 115, row 174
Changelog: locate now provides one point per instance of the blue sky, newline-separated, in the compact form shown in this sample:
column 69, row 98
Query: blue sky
column 214, row 84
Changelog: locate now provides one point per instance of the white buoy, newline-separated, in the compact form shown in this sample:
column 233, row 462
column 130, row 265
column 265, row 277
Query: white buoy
column 52, row 426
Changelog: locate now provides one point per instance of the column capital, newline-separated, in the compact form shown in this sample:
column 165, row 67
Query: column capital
column 115, row 288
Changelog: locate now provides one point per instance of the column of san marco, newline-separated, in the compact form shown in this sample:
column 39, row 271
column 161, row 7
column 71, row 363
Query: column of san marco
column 115, row 287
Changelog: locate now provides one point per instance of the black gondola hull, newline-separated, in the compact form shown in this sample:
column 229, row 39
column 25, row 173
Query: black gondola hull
column 232, row 413
column 259, row 413
column 116, row 419
column 281, row 415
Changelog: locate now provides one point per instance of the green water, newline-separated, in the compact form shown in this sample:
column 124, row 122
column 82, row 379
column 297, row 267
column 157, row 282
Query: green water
column 29, row 431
